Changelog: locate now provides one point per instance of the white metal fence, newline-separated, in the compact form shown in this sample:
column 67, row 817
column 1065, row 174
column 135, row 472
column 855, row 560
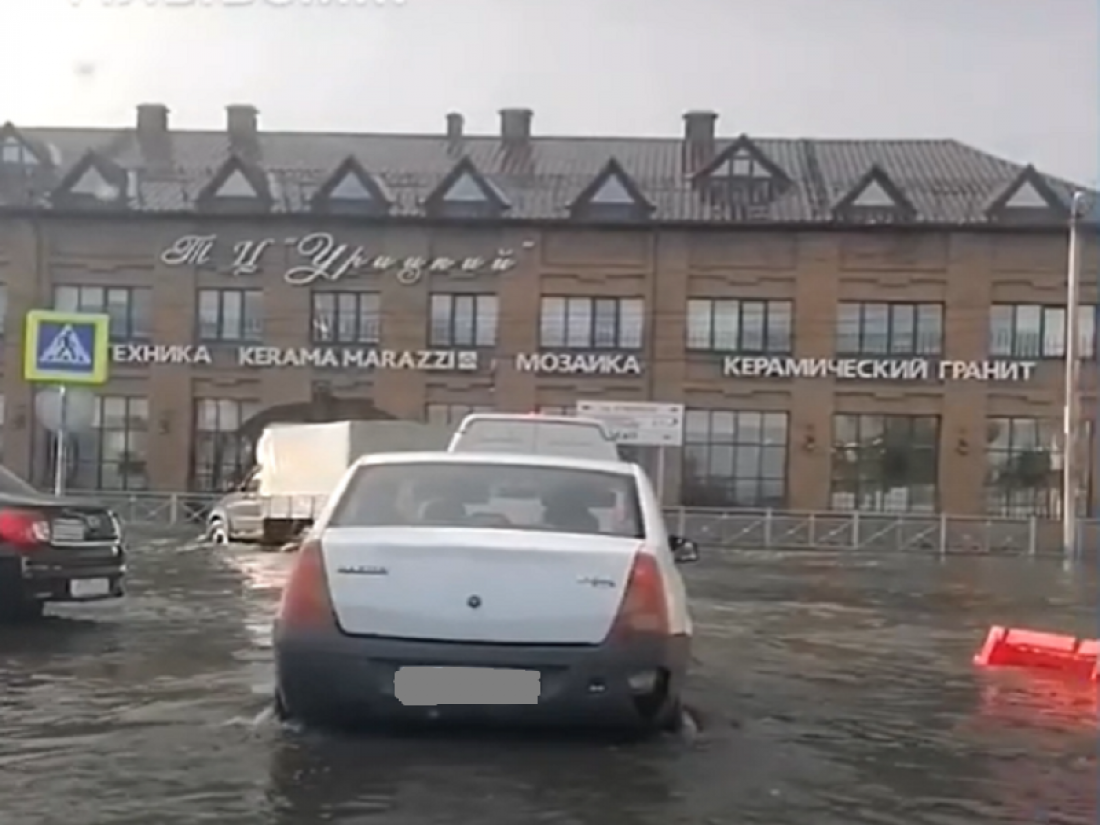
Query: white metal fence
column 875, row 532
column 740, row 529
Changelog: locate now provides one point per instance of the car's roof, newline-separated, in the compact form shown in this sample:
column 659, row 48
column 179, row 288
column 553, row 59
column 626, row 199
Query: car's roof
column 507, row 459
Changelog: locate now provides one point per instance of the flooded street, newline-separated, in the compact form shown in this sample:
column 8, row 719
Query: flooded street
column 830, row 691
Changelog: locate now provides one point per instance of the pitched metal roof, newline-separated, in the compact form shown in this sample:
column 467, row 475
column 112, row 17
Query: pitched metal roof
column 945, row 181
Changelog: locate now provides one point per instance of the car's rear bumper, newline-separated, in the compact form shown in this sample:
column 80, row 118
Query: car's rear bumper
column 348, row 679
column 49, row 574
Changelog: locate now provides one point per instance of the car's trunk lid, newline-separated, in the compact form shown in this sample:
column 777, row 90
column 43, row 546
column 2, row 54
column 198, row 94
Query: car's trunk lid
column 481, row 586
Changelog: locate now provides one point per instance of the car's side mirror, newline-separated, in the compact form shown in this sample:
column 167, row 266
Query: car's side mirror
column 684, row 551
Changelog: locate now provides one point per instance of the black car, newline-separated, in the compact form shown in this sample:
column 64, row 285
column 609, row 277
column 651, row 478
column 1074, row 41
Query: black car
column 55, row 549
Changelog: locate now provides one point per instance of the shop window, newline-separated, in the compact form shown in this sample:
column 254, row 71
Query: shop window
column 129, row 308
column 885, row 463
column 733, row 326
column 231, row 315
column 461, row 320
column 346, row 318
column 881, row 329
column 221, row 455
column 1033, row 331
column 591, row 323
column 112, row 454
column 1023, row 468
column 735, row 459
column 447, row 414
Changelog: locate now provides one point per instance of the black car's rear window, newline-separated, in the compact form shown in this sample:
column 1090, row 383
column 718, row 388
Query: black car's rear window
column 488, row 496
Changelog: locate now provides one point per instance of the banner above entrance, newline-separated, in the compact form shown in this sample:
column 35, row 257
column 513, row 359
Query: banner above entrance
column 320, row 257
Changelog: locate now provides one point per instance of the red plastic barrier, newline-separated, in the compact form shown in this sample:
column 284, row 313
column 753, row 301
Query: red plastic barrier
column 1009, row 647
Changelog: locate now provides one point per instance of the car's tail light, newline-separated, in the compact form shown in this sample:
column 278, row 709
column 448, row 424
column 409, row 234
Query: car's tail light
column 306, row 602
column 24, row 529
column 644, row 608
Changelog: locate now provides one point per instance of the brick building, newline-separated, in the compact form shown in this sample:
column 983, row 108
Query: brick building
column 851, row 323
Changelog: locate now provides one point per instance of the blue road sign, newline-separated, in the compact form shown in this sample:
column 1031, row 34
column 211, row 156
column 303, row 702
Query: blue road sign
column 66, row 348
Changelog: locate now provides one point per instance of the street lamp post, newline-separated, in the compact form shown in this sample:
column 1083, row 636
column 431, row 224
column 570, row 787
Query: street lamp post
column 1071, row 411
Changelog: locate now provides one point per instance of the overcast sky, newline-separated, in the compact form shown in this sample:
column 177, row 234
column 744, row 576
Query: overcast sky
column 1015, row 77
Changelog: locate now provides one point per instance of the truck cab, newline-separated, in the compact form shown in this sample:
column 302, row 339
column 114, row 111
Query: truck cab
column 238, row 515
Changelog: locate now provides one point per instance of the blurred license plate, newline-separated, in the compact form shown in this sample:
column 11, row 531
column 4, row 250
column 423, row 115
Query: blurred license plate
column 64, row 529
column 88, row 588
column 466, row 686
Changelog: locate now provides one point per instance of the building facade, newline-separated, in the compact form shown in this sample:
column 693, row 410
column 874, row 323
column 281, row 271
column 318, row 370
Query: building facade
column 850, row 324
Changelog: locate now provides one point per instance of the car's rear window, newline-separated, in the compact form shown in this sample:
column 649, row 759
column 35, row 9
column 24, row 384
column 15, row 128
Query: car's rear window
column 488, row 496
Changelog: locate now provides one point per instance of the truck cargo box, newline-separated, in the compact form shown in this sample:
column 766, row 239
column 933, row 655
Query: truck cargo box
column 306, row 460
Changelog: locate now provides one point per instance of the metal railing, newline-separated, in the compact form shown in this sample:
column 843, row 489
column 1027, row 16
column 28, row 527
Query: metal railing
column 875, row 532
column 738, row 529
column 175, row 512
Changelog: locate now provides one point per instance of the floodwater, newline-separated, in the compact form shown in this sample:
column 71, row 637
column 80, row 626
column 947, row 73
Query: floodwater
column 832, row 691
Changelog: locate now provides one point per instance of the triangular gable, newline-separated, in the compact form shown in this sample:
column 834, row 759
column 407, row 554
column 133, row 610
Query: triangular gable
column 1028, row 195
column 350, row 185
column 465, row 186
column 238, row 181
column 96, row 178
column 742, row 158
column 14, row 148
column 874, row 192
column 611, row 188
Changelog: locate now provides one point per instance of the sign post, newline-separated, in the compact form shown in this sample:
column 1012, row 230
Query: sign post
column 641, row 424
column 64, row 350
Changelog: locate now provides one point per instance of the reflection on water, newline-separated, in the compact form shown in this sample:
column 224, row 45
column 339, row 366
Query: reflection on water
column 833, row 690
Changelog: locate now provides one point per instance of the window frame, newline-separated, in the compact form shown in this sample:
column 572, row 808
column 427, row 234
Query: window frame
column 87, row 450
column 893, row 340
column 713, row 489
column 134, row 328
column 220, row 476
column 628, row 329
column 774, row 339
column 365, row 329
column 484, row 320
column 868, row 486
column 249, row 298
column 1050, row 336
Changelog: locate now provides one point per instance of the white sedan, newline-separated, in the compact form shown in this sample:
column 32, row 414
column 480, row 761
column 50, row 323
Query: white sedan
column 495, row 587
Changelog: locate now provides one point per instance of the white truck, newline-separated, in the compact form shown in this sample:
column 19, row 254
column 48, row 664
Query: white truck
column 298, row 466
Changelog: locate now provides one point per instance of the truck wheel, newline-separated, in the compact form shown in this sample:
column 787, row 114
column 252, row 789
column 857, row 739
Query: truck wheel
column 217, row 531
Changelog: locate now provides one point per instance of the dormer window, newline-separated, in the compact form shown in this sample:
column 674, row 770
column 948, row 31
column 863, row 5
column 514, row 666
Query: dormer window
column 874, row 198
column 14, row 149
column 94, row 181
column 351, row 190
column 466, row 193
column 742, row 178
column 612, row 195
column 1029, row 198
column 237, row 187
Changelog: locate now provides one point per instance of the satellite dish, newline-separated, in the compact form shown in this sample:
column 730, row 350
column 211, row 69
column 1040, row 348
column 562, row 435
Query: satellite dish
column 74, row 407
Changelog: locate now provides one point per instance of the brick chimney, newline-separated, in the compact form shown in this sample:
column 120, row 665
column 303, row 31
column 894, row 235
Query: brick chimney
column 515, row 126
column 154, row 139
column 242, row 126
column 699, row 139
column 456, row 125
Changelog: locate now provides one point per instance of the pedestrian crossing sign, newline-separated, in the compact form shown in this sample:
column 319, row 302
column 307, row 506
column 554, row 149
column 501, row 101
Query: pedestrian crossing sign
column 71, row 348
